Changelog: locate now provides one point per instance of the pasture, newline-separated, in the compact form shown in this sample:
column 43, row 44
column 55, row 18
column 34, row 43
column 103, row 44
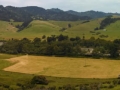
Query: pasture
column 65, row 67
column 38, row 28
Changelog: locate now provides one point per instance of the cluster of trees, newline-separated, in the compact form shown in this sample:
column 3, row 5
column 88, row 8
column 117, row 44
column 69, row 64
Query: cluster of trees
column 107, row 21
column 24, row 25
column 62, row 46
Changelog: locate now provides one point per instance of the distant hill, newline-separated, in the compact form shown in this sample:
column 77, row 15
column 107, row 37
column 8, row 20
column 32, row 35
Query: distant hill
column 12, row 13
column 33, row 12
column 92, row 14
column 38, row 13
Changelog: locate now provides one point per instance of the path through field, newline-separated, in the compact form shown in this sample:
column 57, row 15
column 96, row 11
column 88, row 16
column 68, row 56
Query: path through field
column 65, row 67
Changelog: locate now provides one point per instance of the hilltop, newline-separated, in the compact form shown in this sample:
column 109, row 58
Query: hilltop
column 38, row 13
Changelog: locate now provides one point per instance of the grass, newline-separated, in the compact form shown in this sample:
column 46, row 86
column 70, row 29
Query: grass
column 8, row 78
column 39, row 28
column 65, row 23
column 5, row 29
column 66, row 67
column 12, row 78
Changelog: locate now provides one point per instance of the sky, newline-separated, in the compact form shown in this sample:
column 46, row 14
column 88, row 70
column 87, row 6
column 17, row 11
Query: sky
column 76, row 5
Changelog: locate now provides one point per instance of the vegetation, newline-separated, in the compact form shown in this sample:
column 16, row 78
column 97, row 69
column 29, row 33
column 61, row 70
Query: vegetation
column 39, row 80
column 63, row 46
column 20, row 81
column 67, row 37
column 65, row 66
column 92, row 14
column 38, row 28
column 107, row 21
column 25, row 14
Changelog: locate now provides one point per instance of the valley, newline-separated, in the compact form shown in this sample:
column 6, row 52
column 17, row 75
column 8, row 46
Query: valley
column 52, row 49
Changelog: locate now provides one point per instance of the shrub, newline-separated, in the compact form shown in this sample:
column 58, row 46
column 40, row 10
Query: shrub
column 39, row 80
column 111, row 86
column 118, row 76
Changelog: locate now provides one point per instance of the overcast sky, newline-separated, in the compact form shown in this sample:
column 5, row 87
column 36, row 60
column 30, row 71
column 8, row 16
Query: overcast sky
column 76, row 5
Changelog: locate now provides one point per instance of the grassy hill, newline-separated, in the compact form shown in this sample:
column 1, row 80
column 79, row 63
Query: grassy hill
column 38, row 28
column 78, row 28
column 6, row 28
column 113, row 30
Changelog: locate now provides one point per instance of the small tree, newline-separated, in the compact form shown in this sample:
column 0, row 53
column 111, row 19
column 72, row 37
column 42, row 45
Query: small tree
column 69, row 26
column 113, row 50
column 43, row 37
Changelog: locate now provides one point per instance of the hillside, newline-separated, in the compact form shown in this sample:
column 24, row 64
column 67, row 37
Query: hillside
column 38, row 28
column 113, row 30
column 7, row 28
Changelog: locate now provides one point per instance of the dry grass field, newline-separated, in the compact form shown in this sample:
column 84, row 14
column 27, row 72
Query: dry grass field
column 65, row 67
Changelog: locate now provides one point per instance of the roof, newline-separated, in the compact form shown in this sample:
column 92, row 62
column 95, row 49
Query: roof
column 88, row 51
column 1, row 43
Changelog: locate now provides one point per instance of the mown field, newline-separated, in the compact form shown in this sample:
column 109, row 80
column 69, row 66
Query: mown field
column 65, row 67
column 10, row 79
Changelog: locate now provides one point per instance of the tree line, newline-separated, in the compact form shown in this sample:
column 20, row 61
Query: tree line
column 62, row 45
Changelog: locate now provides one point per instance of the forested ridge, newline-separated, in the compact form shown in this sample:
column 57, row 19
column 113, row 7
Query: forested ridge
column 33, row 12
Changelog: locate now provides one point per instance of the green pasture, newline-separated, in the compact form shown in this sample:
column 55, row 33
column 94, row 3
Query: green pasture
column 38, row 28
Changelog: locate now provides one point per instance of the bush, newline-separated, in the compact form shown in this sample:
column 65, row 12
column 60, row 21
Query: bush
column 39, row 80
column 111, row 86
column 118, row 76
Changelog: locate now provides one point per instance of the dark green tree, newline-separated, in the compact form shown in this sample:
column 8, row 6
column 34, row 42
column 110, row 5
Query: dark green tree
column 113, row 50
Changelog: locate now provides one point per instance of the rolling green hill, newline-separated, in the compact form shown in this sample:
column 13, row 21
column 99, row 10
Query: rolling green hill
column 5, row 29
column 38, row 28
